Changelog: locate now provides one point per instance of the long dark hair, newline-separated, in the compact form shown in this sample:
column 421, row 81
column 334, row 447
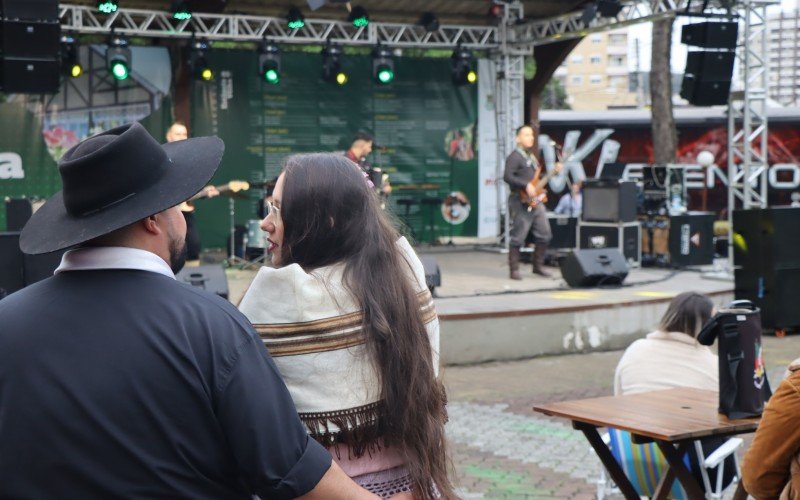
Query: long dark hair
column 687, row 313
column 330, row 215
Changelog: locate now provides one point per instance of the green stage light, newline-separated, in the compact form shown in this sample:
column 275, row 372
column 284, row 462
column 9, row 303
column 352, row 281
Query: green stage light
column 269, row 62
column 385, row 75
column 359, row 17
column 382, row 65
column 119, row 70
column 294, row 19
column 107, row 6
column 118, row 57
column 180, row 11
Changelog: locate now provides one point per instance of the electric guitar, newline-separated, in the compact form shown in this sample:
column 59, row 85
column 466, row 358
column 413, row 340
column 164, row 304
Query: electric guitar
column 230, row 187
column 539, row 187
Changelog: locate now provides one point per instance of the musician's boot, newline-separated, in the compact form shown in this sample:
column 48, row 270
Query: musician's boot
column 538, row 261
column 513, row 263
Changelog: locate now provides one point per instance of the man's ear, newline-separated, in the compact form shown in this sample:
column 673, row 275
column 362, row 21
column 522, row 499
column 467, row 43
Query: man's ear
column 151, row 224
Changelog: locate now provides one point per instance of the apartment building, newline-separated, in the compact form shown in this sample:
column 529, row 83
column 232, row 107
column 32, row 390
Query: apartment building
column 595, row 74
column 784, row 57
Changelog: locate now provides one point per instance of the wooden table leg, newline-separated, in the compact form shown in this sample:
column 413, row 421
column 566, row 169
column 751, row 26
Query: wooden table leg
column 664, row 486
column 610, row 463
column 675, row 459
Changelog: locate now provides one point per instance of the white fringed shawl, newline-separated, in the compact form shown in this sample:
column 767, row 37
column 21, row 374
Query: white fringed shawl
column 312, row 328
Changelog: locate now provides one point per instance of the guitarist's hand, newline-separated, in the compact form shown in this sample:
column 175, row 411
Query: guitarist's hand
column 210, row 191
column 531, row 190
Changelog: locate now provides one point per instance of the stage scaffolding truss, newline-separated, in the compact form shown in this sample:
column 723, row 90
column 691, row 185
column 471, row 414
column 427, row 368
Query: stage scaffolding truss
column 508, row 44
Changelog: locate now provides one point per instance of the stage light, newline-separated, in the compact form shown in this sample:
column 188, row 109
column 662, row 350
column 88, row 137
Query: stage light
column 118, row 57
column 295, row 19
column 332, row 64
column 180, row 10
column 269, row 62
column 107, row 6
column 70, row 64
column 198, row 61
column 463, row 67
column 358, row 16
column 382, row 65
column 429, row 21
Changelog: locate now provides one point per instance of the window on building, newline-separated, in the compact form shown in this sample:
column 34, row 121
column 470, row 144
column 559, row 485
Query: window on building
column 595, row 79
column 596, row 38
column 618, row 81
column 577, row 80
column 595, row 59
column 617, row 39
column 576, row 59
column 616, row 60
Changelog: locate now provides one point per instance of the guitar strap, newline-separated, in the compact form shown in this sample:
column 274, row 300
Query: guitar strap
column 532, row 161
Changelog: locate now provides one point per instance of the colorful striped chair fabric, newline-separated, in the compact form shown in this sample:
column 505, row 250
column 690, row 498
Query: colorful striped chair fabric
column 644, row 464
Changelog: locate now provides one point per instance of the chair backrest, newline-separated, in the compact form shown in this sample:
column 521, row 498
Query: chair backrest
column 644, row 464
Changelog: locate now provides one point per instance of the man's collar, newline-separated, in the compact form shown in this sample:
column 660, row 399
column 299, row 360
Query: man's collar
column 97, row 258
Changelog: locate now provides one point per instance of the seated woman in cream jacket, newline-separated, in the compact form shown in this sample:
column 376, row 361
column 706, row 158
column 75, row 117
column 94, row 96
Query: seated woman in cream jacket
column 351, row 325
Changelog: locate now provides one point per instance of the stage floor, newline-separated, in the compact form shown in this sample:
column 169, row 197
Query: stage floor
column 477, row 282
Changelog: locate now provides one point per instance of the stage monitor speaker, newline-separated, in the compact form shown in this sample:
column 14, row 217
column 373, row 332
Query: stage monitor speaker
column 11, row 264
column 39, row 267
column 29, row 10
column 710, row 35
column 18, row 211
column 691, row 239
column 586, row 268
column 433, row 275
column 767, row 264
column 609, row 201
column 707, row 79
column 211, row 278
column 29, row 76
column 28, row 39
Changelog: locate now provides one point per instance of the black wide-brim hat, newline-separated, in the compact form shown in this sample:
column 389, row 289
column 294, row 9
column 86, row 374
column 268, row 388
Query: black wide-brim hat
column 116, row 178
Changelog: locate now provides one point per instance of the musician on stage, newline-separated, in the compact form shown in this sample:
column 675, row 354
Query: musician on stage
column 522, row 172
column 360, row 148
column 178, row 132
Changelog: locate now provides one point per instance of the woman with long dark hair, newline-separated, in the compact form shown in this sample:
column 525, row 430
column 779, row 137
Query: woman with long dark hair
column 351, row 325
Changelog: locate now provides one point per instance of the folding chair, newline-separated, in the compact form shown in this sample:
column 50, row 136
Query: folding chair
column 644, row 465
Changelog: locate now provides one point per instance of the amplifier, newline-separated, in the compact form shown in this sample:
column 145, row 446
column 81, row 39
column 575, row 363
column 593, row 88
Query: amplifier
column 564, row 231
column 609, row 201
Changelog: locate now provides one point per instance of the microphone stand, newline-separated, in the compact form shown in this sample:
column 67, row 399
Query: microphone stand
column 450, row 194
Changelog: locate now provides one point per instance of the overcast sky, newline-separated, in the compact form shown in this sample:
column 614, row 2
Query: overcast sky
column 642, row 33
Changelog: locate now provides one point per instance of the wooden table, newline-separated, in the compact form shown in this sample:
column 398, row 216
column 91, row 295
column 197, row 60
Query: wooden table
column 673, row 418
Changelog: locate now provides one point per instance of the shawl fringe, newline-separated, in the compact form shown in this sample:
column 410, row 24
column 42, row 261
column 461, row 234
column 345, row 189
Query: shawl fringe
column 361, row 428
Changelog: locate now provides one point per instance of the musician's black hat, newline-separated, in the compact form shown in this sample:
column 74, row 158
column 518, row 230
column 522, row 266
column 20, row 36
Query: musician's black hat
column 115, row 178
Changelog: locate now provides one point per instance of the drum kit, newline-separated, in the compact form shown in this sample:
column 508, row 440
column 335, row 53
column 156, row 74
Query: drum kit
column 254, row 240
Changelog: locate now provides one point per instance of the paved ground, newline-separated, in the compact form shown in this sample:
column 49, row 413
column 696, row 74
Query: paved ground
column 501, row 449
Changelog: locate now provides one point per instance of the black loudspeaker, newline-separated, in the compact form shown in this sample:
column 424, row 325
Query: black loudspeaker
column 30, row 10
column 210, row 278
column 609, row 201
column 767, row 263
column 691, row 239
column 29, row 76
column 11, row 265
column 39, row 267
column 707, row 79
column 27, row 39
column 625, row 237
column 563, row 230
column 18, row 211
column 584, row 268
column 710, row 35
column 433, row 276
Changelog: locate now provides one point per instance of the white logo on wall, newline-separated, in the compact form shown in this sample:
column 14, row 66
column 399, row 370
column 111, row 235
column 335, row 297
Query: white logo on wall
column 11, row 166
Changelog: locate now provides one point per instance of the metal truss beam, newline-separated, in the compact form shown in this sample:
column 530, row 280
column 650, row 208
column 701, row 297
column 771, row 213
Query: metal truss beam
column 235, row 27
column 570, row 25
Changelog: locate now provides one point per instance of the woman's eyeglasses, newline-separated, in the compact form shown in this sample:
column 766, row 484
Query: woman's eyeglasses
column 272, row 209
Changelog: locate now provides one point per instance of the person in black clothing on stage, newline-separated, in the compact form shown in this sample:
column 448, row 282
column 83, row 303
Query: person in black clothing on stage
column 116, row 380
column 359, row 149
column 178, row 132
column 521, row 168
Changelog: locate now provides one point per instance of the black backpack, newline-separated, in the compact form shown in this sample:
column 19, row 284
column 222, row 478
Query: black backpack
column 743, row 384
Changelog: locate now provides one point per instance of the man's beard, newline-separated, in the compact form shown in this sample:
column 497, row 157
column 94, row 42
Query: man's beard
column 177, row 254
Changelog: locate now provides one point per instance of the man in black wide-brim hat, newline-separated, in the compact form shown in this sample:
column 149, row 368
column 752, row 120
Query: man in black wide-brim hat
column 116, row 381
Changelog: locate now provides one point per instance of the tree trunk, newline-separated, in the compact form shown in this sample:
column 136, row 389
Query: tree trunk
column 665, row 135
